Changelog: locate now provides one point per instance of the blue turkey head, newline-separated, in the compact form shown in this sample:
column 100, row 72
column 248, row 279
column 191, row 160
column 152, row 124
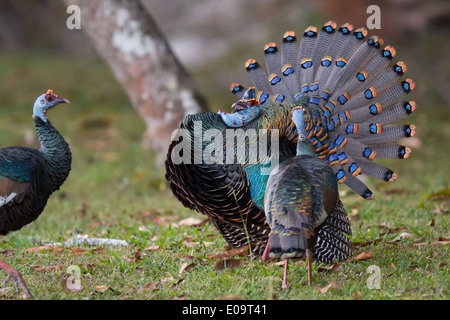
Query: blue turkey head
column 45, row 102
column 245, row 110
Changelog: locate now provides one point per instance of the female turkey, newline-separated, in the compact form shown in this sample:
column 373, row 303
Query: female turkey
column 28, row 177
column 300, row 196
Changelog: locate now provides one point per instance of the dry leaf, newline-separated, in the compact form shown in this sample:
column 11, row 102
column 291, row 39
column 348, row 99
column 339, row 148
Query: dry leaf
column 402, row 236
column 138, row 256
column 219, row 255
column 230, row 263
column 152, row 248
column 49, row 268
column 43, row 248
column 143, row 228
column 363, row 256
column 185, row 267
column 190, row 222
column 6, row 253
column 99, row 250
column 365, row 243
column 76, row 250
column 149, row 286
column 103, row 288
column 333, row 268
column 333, row 284
column 439, row 243
column 242, row 252
column 194, row 244
column 431, row 223
column 439, row 209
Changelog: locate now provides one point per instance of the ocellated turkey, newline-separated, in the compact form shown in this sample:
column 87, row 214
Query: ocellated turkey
column 354, row 94
column 301, row 195
column 28, row 177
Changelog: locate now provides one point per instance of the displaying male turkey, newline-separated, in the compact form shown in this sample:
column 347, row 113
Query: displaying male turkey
column 299, row 197
column 28, row 177
column 354, row 94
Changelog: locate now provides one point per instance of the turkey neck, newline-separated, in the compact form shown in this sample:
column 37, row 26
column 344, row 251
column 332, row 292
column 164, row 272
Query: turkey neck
column 56, row 152
column 304, row 144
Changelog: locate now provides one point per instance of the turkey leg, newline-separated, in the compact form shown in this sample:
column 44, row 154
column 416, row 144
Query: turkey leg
column 16, row 277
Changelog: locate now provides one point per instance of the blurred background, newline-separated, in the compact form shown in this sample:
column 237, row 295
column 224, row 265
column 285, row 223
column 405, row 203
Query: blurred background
column 212, row 39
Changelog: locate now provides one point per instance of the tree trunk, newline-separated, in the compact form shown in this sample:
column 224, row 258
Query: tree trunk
column 126, row 36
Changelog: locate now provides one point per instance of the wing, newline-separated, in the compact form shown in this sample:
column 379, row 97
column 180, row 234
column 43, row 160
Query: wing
column 17, row 170
column 215, row 188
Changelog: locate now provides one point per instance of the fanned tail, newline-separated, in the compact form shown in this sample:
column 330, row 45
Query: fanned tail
column 354, row 95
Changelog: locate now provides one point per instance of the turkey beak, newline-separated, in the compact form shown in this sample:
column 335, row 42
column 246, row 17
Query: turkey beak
column 62, row 100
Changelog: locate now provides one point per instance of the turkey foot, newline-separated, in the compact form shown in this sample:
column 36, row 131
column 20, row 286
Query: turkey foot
column 16, row 277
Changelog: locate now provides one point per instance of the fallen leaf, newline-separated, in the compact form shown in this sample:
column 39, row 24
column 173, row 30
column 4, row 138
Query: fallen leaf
column 194, row 244
column 138, row 256
column 357, row 296
column 180, row 297
column 439, row 209
column 143, row 228
column 219, row 255
column 366, row 243
column 190, row 222
column 185, row 267
column 6, row 253
column 402, row 236
column 44, row 248
column 363, row 256
column 431, row 223
column 99, row 250
column 439, row 243
column 416, row 268
column 151, row 212
column 333, row 284
column 149, row 286
column 76, row 250
column 152, row 248
column 242, row 252
column 176, row 283
column 230, row 263
column 333, row 268
column 103, row 288
column 384, row 229
column 48, row 268
column 419, row 244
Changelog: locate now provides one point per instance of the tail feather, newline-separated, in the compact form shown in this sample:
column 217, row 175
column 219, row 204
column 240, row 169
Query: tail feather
column 272, row 56
column 332, row 242
column 354, row 94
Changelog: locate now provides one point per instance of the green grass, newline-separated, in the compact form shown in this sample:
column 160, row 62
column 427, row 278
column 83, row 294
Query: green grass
column 116, row 191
